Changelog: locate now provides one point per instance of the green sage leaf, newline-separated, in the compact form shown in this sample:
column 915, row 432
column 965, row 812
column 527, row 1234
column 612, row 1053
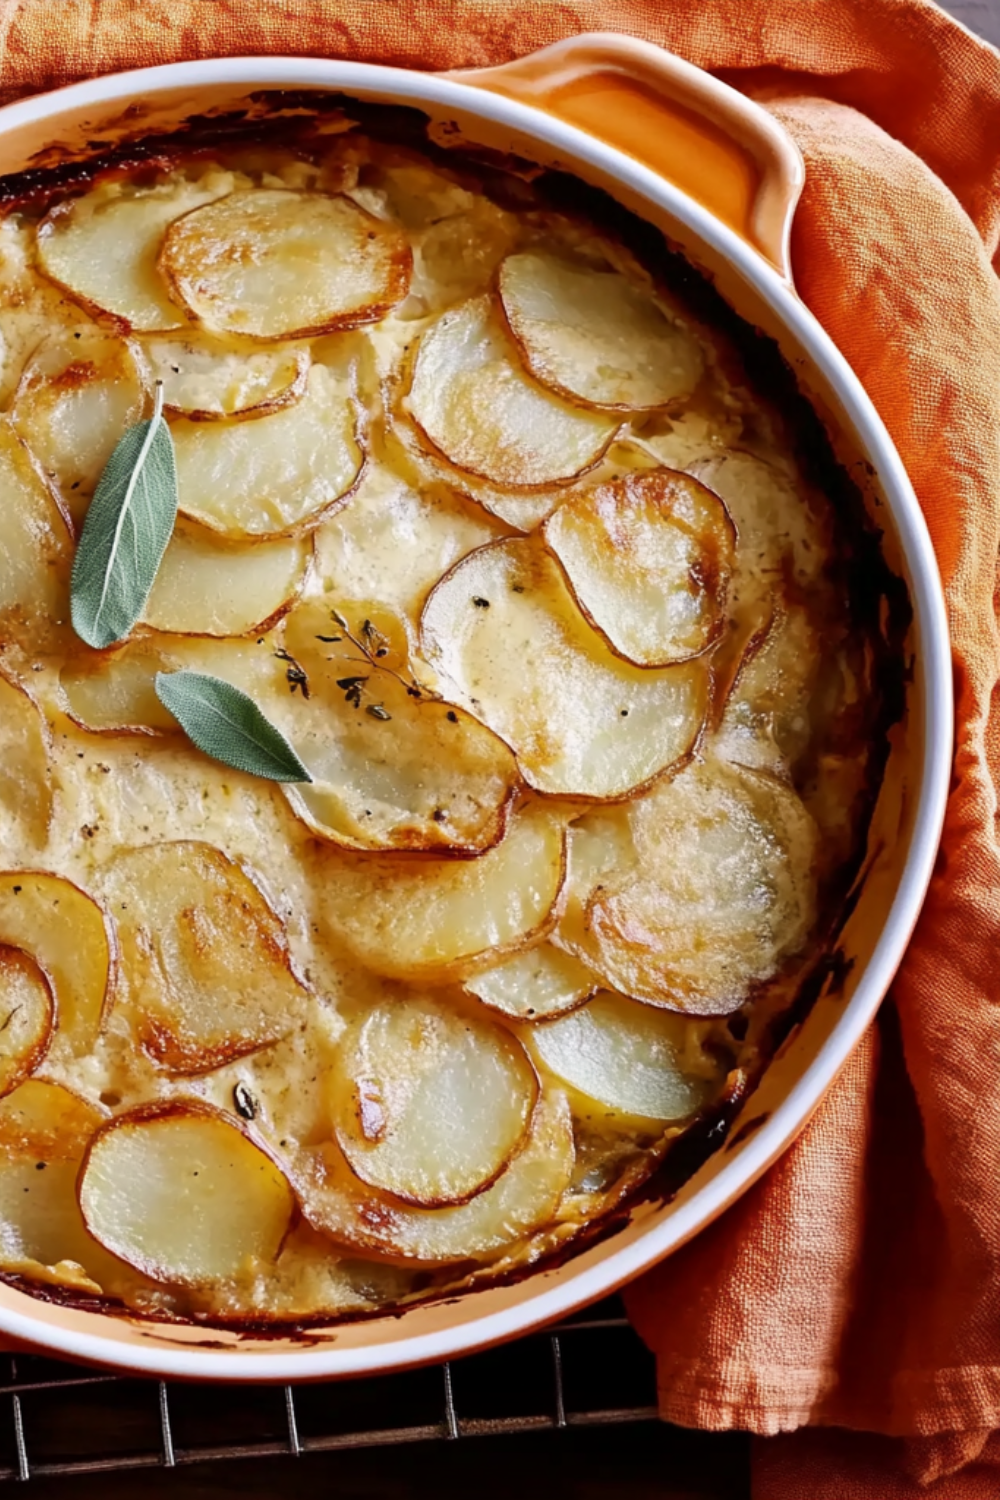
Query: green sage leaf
column 226, row 724
column 125, row 535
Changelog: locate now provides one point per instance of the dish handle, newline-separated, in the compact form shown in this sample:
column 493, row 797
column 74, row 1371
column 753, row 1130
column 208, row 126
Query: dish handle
column 716, row 145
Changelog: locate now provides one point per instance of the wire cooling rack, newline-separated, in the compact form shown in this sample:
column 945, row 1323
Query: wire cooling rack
column 62, row 1420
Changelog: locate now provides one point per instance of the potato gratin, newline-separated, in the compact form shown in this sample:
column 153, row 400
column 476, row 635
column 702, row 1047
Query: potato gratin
column 485, row 514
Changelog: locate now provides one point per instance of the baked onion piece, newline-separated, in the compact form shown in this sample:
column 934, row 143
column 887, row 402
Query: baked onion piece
column 206, row 974
column 35, row 557
column 535, row 985
column 27, row 1016
column 179, row 1191
column 25, row 784
column 208, row 586
column 206, row 378
column 648, row 558
column 278, row 264
column 507, row 638
column 70, row 938
column 426, row 918
column 429, row 1104
column 472, row 399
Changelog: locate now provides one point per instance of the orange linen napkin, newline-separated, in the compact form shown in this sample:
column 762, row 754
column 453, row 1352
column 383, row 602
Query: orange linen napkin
column 857, row 1286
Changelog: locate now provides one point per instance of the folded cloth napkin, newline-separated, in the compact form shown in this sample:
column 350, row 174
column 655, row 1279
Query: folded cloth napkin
column 854, row 1294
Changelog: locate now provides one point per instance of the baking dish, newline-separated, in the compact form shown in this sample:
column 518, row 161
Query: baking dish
column 719, row 177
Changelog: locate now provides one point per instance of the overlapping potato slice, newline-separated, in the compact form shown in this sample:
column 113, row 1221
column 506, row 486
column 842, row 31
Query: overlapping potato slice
column 279, row 474
column 593, row 336
column 71, row 939
column 523, row 1198
column 474, row 402
column 35, row 557
column 209, row 586
column 438, row 919
column 27, row 1016
column 535, row 985
column 648, row 558
column 724, row 890
column 278, row 264
column 180, row 1192
column 507, row 637
column 103, row 246
column 766, row 723
column 206, row 974
column 626, row 1057
column 25, row 785
column 79, row 391
column 206, row 378
column 29, row 302
column 429, row 1104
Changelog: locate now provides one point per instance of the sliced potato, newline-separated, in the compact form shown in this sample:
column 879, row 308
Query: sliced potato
column 79, row 392
column 208, row 586
column 506, row 636
column 593, row 336
column 182, row 1193
column 766, row 724
column 30, row 304
column 648, row 558
column 277, row 264
column 473, row 401
column 600, row 852
column 725, row 890
column 45, row 1120
column 103, row 246
column 438, row 919
column 521, row 1200
column 27, row 1016
column 206, row 973
column 25, row 770
column 278, row 475
column 626, row 1057
column 71, row 939
column 535, row 985
column 429, row 1104
column 35, row 557
column 205, row 378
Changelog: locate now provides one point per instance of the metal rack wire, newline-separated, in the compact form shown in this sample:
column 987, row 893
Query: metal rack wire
column 64, row 1421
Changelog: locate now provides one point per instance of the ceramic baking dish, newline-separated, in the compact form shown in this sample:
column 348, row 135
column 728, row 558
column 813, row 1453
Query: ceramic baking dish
column 721, row 179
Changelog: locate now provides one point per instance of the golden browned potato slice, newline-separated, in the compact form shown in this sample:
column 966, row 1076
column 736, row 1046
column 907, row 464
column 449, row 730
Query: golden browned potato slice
column 648, row 558
column 27, row 1016
column 535, row 985
column 594, row 336
column 102, row 247
column 279, row 474
column 31, row 303
column 429, row 1104
column 71, row 939
column 206, row 378
column 438, row 919
column 182, row 1193
column 206, row 973
column 277, row 264
column 44, row 1119
column 79, row 391
column 25, row 785
column 599, row 852
column 35, row 557
column 725, row 890
column 208, row 586
column 506, row 635
column 477, row 406
column 522, row 1199
column 631, row 1059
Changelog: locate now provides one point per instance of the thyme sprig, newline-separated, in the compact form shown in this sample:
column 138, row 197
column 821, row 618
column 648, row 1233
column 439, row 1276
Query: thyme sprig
column 373, row 646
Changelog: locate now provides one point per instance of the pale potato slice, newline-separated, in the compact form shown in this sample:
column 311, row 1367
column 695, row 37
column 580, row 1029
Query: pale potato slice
column 25, row 767
column 626, row 1057
column 208, row 586
column 648, row 558
column 429, row 1104
column 206, row 973
column 27, row 1016
column 277, row 264
column 103, row 246
column 438, row 919
column 595, row 337
column 725, row 891
column 71, row 939
column 30, row 305
column 523, row 1198
column 79, row 392
column 510, row 644
column 182, row 1193
column 535, row 985
column 36, row 554
column 277, row 475
column 766, row 723
column 473, row 401
column 206, row 378
column 599, row 852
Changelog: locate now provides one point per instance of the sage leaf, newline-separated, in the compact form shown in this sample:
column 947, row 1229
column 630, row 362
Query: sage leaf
column 226, row 724
column 128, row 526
